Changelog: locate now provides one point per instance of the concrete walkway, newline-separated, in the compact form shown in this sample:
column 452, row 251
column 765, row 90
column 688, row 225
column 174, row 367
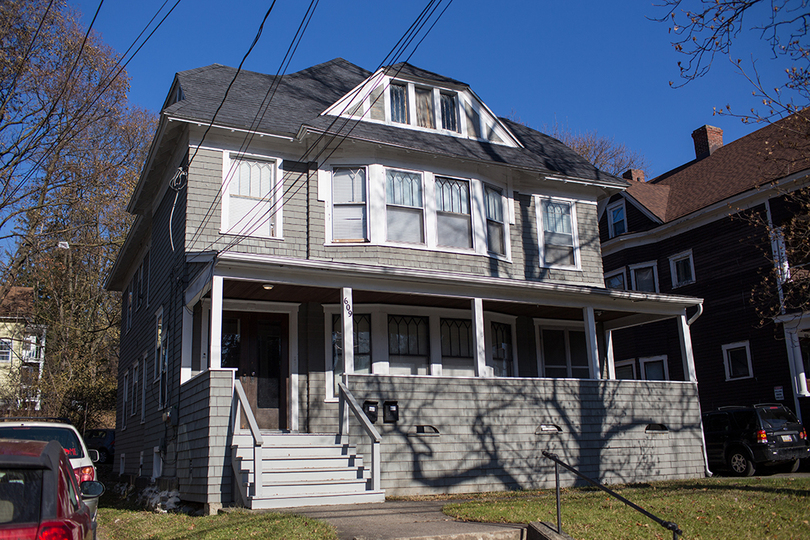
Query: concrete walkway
column 406, row 520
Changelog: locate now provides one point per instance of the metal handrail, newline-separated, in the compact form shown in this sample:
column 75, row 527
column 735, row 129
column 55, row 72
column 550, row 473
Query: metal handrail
column 242, row 405
column 348, row 402
column 669, row 525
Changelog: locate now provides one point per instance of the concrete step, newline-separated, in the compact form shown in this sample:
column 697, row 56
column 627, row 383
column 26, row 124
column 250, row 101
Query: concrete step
column 313, row 487
column 320, row 499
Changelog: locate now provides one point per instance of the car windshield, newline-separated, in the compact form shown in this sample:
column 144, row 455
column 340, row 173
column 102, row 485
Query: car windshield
column 776, row 417
column 66, row 437
column 20, row 495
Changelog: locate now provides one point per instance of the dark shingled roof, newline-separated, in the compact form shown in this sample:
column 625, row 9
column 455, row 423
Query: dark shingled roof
column 301, row 97
column 756, row 160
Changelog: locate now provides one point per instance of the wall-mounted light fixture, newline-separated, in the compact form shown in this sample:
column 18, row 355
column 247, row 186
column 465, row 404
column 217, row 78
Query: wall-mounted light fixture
column 267, row 286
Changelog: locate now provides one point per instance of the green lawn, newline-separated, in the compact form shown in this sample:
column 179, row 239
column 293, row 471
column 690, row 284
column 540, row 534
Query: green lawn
column 711, row 508
column 128, row 524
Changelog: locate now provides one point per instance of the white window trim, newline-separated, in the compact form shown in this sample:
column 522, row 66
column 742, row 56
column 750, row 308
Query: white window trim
column 609, row 211
column 726, row 365
column 620, row 363
column 673, row 271
column 647, row 264
column 145, row 377
column 276, row 200
column 538, row 200
column 621, row 272
column 650, row 359
column 10, row 344
column 134, row 401
column 126, row 401
column 384, row 179
column 327, row 197
column 555, row 324
column 505, row 214
column 156, row 364
column 121, row 463
column 157, row 463
column 379, row 336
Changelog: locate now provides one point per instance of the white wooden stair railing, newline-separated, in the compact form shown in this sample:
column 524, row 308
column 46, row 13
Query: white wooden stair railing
column 348, row 402
column 241, row 405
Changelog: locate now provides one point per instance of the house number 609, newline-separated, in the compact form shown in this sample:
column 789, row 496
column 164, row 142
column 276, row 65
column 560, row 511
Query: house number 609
column 348, row 306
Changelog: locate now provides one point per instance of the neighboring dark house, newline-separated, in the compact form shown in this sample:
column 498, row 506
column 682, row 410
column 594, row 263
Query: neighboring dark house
column 699, row 230
column 387, row 231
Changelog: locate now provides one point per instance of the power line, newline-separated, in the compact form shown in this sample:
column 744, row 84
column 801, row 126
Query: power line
column 398, row 49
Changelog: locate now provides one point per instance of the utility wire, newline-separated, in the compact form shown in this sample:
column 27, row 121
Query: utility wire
column 401, row 46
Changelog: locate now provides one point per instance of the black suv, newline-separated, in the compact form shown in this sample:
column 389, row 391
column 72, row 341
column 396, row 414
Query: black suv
column 743, row 438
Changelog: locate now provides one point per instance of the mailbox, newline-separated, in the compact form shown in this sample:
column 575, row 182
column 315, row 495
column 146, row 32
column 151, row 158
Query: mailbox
column 370, row 408
column 390, row 412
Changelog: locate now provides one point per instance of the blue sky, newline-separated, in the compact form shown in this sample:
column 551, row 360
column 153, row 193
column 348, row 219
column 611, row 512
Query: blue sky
column 589, row 65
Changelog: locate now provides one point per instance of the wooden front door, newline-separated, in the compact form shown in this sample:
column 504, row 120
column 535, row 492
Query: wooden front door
column 256, row 345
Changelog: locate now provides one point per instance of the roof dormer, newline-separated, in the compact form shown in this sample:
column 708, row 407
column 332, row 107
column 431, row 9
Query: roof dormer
column 392, row 96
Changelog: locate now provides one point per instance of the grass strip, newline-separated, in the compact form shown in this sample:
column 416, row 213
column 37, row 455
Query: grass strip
column 711, row 508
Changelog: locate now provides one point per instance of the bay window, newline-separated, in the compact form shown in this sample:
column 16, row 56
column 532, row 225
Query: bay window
column 349, row 221
column 404, row 208
column 453, row 219
column 558, row 229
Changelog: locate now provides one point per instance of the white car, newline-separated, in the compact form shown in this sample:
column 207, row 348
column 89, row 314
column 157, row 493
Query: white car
column 56, row 429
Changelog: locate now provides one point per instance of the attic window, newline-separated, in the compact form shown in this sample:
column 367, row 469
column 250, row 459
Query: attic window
column 449, row 107
column 399, row 103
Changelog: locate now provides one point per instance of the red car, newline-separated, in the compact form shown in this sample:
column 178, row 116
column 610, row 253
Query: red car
column 39, row 496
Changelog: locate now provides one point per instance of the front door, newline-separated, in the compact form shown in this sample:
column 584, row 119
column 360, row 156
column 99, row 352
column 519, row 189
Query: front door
column 255, row 344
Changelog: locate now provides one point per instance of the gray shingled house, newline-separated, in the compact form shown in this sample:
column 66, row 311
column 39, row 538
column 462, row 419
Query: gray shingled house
column 341, row 284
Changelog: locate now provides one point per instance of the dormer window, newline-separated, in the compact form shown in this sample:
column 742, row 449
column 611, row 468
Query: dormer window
column 424, row 108
column 399, row 103
column 449, row 108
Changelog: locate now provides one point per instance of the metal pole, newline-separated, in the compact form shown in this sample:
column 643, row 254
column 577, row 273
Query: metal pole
column 559, row 513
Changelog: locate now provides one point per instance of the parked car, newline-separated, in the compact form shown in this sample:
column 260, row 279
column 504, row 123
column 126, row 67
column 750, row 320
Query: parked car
column 39, row 495
column 742, row 439
column 102, row 440
column 55, row 429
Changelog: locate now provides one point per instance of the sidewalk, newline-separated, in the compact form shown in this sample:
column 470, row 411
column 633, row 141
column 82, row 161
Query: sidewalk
column 406, row 520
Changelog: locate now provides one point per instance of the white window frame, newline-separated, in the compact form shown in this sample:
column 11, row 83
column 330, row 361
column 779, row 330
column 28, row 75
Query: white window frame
column 126, row 401
column 158, row 322
column 366, row 205
column 274, row 197
column 471, row 205
column 10, row 351
column 423, row 208
column 539, row 215
column 619, row 272
column 133, row 406
column 609, row 213
column 650, row 360
column 157, row 463
column 633, row 267
column 673, row 260
column 567, row 326
column 737, row 345
column 504, row 221
column 621, row 363
column 145, row 377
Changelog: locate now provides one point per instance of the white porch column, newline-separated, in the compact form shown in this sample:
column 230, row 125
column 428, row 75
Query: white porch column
column 611, row 366
column 591, row 343
column 347, row 324
column 215, row 339
column 687, row 355
column 794, row 351
column 479, row 345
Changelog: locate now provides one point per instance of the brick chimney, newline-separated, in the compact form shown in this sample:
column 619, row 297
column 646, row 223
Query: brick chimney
column 634, row 174
column 707, row 140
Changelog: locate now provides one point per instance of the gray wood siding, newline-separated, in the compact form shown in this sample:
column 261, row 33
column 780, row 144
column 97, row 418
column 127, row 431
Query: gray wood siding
column 489, row 436
column 204, row 469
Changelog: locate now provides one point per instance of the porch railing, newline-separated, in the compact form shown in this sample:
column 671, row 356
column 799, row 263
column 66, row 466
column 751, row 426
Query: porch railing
column 241, row 405
column 676, row 532
column 348, row 402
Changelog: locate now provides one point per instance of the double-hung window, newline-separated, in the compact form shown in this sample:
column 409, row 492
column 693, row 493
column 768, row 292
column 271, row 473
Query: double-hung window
column 399, row 103
column 449, row 107
column 404, row 208
column 737, row 360
column 654, row 368
column 625, row 369
column 615, row 280
column 682, row 269
column 644, row 276
column 453, row 219
column 251, row 206
column 349, row 205
column 564, row 353
column 558, row 227
column 5, row 351
column 408, row 345
column 458, row 358
column 495, row 224
column 502, row 358
column 617, row 223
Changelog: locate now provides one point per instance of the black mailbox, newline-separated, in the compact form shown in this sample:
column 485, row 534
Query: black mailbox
column 390, row 412
column 370, row 408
